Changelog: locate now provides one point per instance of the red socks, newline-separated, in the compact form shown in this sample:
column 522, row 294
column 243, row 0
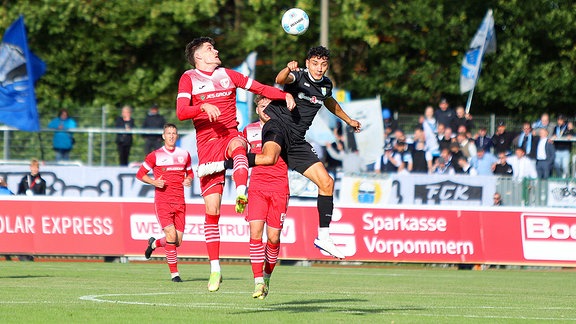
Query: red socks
column 212, row 236
column 272, row 251
column 240, row 170
column 257, row 257
column 171, row 257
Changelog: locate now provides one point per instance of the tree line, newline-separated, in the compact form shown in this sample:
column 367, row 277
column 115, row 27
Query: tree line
column 408, row 52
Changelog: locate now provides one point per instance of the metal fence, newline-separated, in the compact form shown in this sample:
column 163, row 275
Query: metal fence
column 96, row 145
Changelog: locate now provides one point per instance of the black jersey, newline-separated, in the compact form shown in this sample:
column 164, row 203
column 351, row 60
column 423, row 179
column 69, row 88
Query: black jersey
column 309, row 96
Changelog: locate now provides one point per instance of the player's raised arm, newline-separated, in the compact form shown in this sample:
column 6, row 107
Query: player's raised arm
column 284, row 76
column 337, row 110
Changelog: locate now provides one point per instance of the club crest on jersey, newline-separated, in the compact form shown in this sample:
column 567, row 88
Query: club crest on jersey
column 324, row 90
column 180, row 159
column 225, row 83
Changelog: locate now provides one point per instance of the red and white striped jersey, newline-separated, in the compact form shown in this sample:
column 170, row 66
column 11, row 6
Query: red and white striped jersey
column 173, row 167
column 217, row 88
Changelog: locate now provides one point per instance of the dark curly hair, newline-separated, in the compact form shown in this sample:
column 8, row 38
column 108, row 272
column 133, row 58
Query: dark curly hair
column 318, row 51
column 194, row 45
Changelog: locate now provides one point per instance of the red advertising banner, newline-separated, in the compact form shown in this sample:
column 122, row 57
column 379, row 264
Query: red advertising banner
column 428, row 234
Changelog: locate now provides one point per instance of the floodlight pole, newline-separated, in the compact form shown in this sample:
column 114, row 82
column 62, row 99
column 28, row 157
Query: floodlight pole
column 324, row 23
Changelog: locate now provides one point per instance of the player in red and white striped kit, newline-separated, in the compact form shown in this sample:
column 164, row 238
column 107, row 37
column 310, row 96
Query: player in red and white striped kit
column 269, row 193
column 172, row 168
column 207, row 96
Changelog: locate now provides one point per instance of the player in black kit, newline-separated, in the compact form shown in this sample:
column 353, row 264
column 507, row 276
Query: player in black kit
column 286, row 130
column 284, row 134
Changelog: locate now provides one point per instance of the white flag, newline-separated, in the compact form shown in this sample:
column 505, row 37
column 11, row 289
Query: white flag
column 484, row 42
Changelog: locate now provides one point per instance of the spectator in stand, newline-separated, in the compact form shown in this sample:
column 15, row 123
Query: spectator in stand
column 388, row 120
column 545, row 154
column 522, row 166
column 502, row 139
column 563, row 148
column 350, row 159
column 498, row 200
column 405, row 157
column 417, row 135
column 462, row 119
column 442, row 166
column 389, row 162
column 482, row 140
column 124, row 140
column 4, row 191
column 543, row 122
column 32, row 184
column 462, row 129
column 502, row 167
column 388, row 136
column 444, row 114
column 334, row 153
column 430, row 128
column 465, row 167
column 467, row 146
column 352, row 162
column 421, row 158
column 398, row 136
column 527, row 140
column 456, row 154
column 62, row 141
column 153, row 120
column 483, row 162
column 446, row 138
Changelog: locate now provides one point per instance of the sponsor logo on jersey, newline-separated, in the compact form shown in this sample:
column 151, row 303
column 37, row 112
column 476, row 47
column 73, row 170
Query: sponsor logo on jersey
column 216, row 95
column 312, row 99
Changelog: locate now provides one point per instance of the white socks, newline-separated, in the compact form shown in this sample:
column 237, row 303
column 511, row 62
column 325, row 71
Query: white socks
column 215, row 266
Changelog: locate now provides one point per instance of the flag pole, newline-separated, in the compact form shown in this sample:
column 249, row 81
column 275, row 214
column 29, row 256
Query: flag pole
column 469, row 101
column 484, row 42
column 41, row 147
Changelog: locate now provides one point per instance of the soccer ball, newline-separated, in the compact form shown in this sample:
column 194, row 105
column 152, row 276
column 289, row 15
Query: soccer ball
column 295, row 21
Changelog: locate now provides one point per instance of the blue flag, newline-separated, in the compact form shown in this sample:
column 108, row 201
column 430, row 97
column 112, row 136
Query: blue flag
column 19, row 70
column 243, row 97
column 484, row 41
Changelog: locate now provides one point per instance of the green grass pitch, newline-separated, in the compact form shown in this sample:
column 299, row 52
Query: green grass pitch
column 141, row 292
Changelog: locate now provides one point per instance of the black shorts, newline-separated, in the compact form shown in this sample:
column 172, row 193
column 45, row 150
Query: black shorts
column 298, row 154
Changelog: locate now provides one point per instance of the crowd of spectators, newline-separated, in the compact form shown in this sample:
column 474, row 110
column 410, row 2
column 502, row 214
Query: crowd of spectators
column 446, row 141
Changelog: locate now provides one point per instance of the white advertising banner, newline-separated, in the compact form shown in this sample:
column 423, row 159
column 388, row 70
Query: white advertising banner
column 370, row 140
column 561, row 194
column 416, row 189
column 83, row 181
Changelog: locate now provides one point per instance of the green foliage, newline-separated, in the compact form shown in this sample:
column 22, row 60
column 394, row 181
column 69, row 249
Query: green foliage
column 408, row 52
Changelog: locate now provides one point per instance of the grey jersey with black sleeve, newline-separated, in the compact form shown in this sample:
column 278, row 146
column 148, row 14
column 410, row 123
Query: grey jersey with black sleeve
column 309, row 96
